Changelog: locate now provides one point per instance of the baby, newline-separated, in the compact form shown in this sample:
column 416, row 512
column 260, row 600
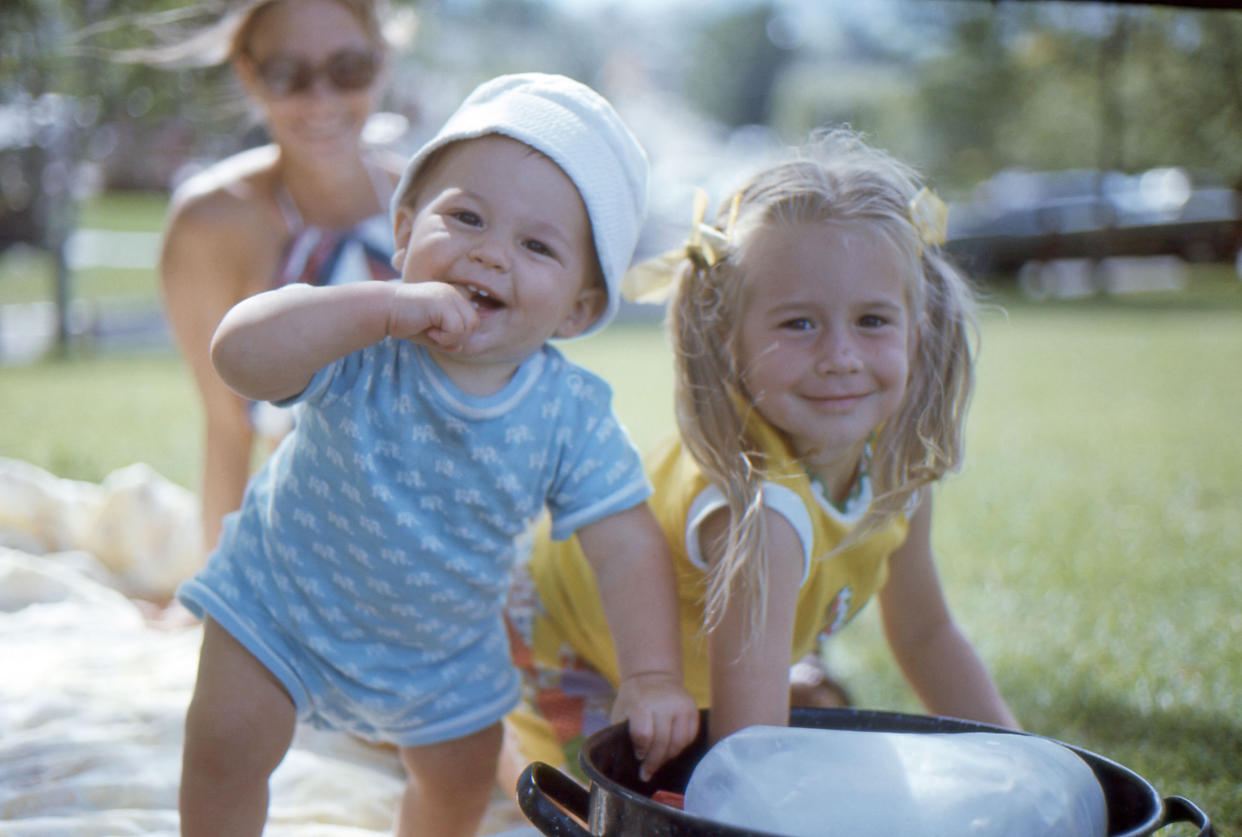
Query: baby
column 361, row 585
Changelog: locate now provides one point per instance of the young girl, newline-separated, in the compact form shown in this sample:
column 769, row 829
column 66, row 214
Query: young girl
column 823, row 373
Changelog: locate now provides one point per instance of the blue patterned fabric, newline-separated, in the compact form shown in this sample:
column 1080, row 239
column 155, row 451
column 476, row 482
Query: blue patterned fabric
column 368, row 565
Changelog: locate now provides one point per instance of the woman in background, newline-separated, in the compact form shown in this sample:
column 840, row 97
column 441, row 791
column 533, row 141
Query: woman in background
column 311, row 206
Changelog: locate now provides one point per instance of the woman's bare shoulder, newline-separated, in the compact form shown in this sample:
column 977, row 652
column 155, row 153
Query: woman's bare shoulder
column 224, row 229
column 235, row 192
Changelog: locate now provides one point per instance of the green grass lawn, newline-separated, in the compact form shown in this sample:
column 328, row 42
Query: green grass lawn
column 125, row 211
column 1092, row 546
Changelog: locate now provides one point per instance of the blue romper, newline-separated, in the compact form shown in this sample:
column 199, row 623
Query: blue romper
column 368, row 566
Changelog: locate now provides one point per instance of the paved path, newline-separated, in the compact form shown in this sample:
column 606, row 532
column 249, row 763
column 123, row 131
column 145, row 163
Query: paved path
column 28, row 330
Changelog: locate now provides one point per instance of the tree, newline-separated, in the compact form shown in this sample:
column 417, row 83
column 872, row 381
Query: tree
column 63, row 100
column 733, row 65
column 1098, row 87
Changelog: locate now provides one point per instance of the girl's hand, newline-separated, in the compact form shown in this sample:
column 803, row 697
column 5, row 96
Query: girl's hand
column 662, row 716
column 433, row 313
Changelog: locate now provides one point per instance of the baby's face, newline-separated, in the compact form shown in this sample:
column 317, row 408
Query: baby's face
column 504, row 226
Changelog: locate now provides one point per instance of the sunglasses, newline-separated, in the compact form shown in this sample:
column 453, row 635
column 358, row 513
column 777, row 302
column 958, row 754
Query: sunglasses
column 346, row 70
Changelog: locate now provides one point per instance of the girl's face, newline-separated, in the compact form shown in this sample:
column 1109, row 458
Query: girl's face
column 315, row 71
column 825, row 335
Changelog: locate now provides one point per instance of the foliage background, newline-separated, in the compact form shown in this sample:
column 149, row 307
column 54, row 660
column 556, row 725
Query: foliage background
column 962, row 89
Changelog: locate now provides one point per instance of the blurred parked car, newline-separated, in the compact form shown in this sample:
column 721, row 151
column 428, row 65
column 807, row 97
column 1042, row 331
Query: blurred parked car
column 1018, row 217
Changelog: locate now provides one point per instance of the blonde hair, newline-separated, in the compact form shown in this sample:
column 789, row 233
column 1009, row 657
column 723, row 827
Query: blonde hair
column 837, row 178
column 182, row 39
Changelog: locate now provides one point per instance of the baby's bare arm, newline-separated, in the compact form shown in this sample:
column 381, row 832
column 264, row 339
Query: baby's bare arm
column 634, row 574
column 269, row 345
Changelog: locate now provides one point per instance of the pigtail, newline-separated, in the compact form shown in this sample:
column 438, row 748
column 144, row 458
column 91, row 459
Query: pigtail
column 711, row 417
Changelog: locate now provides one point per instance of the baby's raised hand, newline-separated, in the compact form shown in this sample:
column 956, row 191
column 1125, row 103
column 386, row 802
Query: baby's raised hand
column 662, row 716
column 433, row 313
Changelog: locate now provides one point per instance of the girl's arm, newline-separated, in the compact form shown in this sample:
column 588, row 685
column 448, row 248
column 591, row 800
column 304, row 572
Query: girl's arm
column 269, row 345
column 750, row 675
column 634, row 574
column 939, row 662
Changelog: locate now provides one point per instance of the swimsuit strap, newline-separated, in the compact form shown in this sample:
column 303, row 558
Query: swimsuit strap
column 312, row 253
column 288, row 209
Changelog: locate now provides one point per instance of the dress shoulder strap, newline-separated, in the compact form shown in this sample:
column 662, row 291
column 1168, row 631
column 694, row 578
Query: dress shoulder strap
column 288, row 209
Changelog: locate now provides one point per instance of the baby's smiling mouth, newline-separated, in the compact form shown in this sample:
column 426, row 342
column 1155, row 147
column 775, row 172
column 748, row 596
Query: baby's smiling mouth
column 482, row 300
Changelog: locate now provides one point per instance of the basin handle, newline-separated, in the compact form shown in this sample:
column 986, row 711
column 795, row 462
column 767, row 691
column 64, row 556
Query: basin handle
column 1181, row 809
column 544, row 794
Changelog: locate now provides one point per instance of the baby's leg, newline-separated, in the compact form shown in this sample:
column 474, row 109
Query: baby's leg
column 450, row 784
column 238, row 728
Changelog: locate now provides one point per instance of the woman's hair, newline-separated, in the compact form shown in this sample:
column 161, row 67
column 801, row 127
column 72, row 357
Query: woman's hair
column 181, row 38
column 837, row 179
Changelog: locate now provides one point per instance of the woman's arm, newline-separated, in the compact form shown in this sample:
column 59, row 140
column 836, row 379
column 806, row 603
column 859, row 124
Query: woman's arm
column 939, row 662
column 750, row 675
column 213, row 246
column 634, row 575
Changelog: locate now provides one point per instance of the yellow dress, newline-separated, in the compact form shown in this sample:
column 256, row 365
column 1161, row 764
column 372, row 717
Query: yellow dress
column 560, row 639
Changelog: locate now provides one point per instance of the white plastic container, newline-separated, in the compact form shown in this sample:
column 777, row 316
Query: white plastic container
column 798, row 781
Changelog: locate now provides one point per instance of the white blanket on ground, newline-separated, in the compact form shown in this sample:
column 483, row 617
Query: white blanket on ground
column 93, row 698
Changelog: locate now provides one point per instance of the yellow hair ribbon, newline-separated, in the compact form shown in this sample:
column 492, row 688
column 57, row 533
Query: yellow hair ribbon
column 652, row 280
column 930, row 217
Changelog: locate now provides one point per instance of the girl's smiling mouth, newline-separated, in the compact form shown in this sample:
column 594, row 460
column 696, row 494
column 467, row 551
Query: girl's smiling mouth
column 836, row 403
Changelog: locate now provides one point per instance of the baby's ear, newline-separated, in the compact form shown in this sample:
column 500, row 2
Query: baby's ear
column 402, row 226
column 590, row 304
